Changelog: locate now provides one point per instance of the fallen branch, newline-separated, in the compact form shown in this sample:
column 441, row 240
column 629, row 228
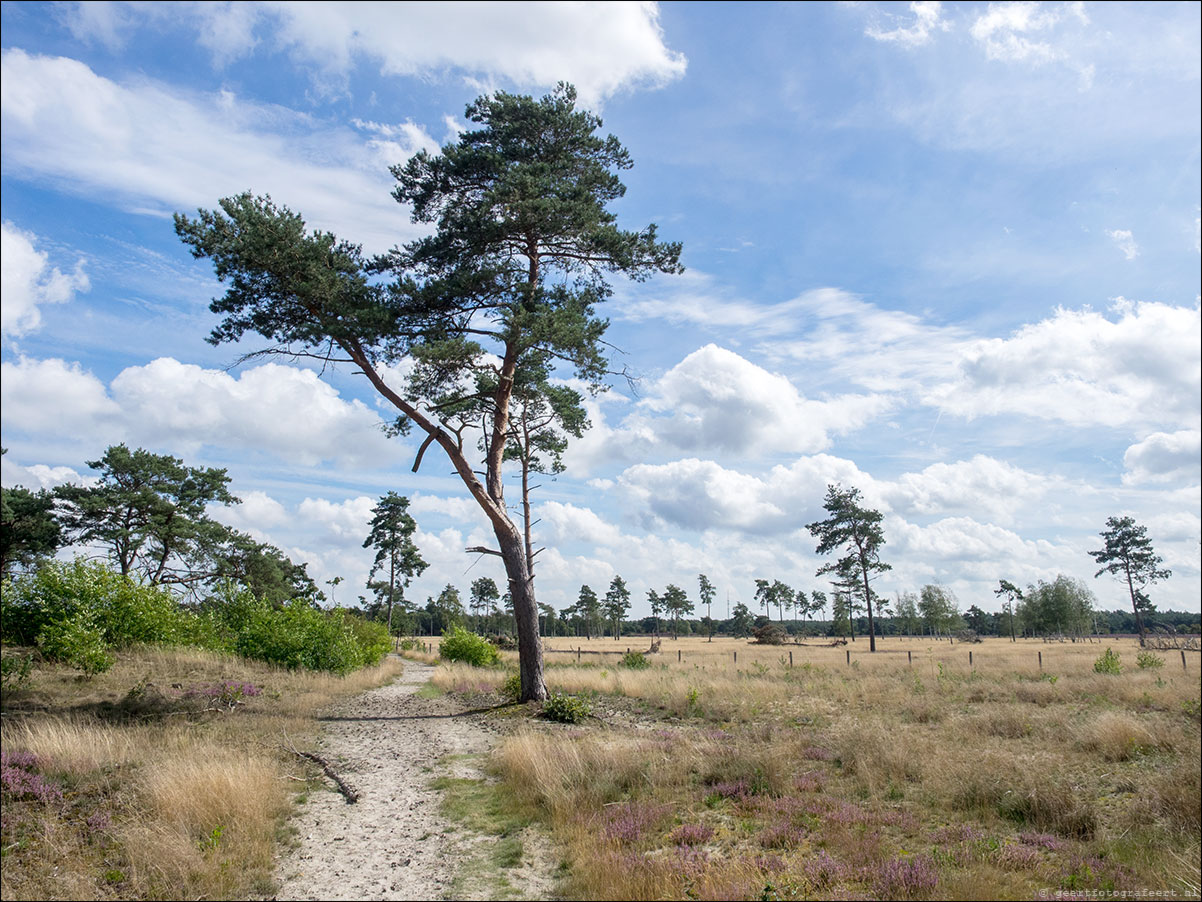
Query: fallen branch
column 349, row 792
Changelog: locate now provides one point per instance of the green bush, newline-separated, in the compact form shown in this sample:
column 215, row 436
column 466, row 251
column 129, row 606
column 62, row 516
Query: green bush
column 460, row 645
column 511, row 689
column 1145, row 660
column 123, row 611
column 635, row 660
column 1108, row 663
column 78, row 641
column 410, row 645
column 566, row 708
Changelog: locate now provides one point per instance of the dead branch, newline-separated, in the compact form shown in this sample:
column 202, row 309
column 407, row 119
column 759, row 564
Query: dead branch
column 349, row 792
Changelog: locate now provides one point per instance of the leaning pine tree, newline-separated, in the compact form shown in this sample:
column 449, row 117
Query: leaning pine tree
column 509, row 279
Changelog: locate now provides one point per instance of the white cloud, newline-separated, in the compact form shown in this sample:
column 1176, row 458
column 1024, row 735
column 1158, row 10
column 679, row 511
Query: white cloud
column 1125, row 242
column 1003, row 30
column 27, row 281
column 702, row 494
column 716, row 400
column 851, row 340
column 927, row 18
column 155, row 149
column 1139, row 70
column 1080, row 367
column 280, row 410
column 601, row 48
column 38, row 476
column 983, row 485
column 1164, row 457
column 257, row 514
column 344, row 522
column 55, row 397
column 283, row 411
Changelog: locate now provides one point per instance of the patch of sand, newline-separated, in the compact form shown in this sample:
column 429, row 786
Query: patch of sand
column 393, row 843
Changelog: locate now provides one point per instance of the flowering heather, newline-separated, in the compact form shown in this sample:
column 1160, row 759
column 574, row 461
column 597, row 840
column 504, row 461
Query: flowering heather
column 816, row 753
column 1017, row 857
column 783, row 836
column 20, row 780
column 810, row 781
column 1042, row 841
column 98, row 822
column 961, row 833
column 731, row 789
column 690, row 862
column 627, row 823
column 692, row 834
column 822, row 870
column 903, row 877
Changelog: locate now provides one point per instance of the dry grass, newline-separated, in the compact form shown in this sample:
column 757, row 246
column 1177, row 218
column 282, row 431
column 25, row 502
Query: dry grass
column 895, row 776
column 164, row 795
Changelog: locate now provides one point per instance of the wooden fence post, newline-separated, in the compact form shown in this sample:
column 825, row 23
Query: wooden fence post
column 790, row 659
column 970, row 660
column 849, row 656
column 910, row 658
column 1040, row 660
column 1182, row 658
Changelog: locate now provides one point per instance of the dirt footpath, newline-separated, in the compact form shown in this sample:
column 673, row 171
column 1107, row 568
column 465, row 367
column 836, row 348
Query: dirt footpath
column 393, row 844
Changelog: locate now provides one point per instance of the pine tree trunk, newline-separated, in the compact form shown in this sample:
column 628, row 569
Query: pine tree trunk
column 525, row 614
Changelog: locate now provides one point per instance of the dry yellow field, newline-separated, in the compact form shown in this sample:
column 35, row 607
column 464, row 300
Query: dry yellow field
column 909, row 773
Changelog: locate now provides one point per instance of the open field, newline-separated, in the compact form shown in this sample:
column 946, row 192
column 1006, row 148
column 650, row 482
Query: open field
column 904, row 774
column 161, row 778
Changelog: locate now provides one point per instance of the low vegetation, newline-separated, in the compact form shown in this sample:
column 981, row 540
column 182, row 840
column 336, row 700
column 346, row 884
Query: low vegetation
column 910, row 773
column 79, row 613
column 163, row 777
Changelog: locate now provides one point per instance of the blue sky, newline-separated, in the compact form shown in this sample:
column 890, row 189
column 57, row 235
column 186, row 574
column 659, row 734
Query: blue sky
column 946, row 254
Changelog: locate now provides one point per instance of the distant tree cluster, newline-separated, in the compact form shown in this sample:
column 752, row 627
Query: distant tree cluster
column 148, row 515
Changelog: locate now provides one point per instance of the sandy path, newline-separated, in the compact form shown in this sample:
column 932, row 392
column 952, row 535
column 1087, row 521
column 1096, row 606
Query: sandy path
column 392, row 844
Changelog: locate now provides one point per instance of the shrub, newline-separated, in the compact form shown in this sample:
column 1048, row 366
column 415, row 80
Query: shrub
column 410, row 645
column 511, row 689
column 460, row 645
column 1108, row 663
column 77, row 641
column 1145, row 660
column 123, row 611
column 769, row 634
column 15, row 669
column 566, row 708
column 635, row 660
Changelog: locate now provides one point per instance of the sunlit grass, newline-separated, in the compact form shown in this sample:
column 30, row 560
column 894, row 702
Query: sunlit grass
column 163, row 794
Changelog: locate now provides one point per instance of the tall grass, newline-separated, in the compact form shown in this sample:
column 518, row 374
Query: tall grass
column 892, row 776
column 163, row 795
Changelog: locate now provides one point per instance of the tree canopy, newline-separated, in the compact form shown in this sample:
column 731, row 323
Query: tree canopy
column 857, row 531
column 1128, row 555
column 391, row 535
column 507, row 284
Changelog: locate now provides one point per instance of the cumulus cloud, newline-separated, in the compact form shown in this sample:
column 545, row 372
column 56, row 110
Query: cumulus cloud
column 927, row 18
column 1164, row 457
column 984, row 485
column 27, row 281
column 155, row 149
column 717, row 400
column 702, row 494
column 1082, row 368
column 38, row 476
column 283, row 411
column 570, row 523
column 601, row 48
column 1125, row 242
